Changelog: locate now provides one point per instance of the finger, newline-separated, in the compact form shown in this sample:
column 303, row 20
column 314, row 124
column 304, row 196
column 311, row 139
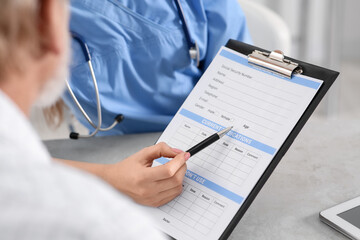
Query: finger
column 161, row 149
column 169, row 169
column 176, row 180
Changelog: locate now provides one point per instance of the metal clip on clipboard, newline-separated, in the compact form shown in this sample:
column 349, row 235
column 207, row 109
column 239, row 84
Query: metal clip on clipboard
column 274, row 62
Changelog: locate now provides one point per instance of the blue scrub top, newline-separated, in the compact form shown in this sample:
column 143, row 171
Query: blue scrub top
column 141, row 58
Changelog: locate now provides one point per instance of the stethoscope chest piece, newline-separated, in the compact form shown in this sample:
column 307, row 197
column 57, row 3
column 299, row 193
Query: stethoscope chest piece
column 195, row 54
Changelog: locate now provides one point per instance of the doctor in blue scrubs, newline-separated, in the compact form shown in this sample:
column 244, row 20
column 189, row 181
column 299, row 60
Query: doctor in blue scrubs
column 140, row 55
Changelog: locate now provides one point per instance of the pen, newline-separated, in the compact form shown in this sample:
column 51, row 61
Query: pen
column 213, row 138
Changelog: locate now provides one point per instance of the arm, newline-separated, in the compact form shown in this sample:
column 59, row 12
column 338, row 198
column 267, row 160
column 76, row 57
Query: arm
column 134, row 176
column 93, row 168
column 225, row 20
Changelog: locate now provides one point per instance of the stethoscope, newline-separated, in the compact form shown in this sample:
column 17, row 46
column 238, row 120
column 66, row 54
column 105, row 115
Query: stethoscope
column 193, row 52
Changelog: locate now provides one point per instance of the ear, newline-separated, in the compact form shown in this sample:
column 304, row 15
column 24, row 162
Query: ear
column 52, row 25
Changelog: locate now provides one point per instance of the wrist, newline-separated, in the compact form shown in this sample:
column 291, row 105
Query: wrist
column 112, row 175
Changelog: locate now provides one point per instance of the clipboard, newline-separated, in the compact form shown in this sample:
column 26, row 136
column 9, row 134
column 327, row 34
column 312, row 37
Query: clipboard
column 327, row 75
column 191, row 115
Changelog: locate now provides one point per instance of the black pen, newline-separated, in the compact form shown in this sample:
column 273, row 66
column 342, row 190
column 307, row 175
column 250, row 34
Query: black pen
column 213, row 138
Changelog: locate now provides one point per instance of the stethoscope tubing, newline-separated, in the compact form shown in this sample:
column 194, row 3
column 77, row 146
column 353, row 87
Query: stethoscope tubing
column 97, row 127
column 98, row 104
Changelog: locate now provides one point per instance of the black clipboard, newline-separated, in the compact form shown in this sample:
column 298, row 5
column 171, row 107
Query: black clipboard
column 328, row 76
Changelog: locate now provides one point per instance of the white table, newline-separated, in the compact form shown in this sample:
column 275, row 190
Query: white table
column 320, row 170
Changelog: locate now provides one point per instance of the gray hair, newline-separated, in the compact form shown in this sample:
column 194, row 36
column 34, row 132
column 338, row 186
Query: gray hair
column 18, row 33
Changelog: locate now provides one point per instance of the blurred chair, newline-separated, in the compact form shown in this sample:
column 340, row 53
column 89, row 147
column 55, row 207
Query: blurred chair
column 267, row 29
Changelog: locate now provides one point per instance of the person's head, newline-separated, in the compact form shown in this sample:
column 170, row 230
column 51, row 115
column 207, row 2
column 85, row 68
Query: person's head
column 34, row 49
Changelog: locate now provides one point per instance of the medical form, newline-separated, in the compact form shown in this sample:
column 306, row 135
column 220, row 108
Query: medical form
column 263, row 108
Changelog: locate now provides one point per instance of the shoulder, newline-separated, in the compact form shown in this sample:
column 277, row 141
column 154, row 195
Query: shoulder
column 51, row 201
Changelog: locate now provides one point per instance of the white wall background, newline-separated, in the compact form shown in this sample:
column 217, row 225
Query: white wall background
column 351, row 39
column 326, row 33
column 320, row 24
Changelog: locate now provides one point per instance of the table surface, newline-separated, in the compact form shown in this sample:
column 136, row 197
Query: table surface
column 321, row 169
